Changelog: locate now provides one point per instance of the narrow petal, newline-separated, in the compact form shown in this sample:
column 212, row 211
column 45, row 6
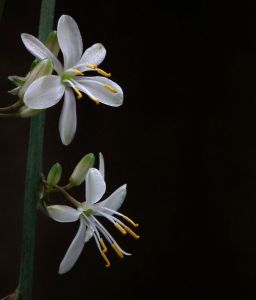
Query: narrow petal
column 97, row 86
column 44, row 92
column 93, row 55
column 115, row 200
column 95, row 186
column 74, row 250
column 68, row 119
column 39, row 50
column 102, row 165
column 70, row 41
column 63, row 213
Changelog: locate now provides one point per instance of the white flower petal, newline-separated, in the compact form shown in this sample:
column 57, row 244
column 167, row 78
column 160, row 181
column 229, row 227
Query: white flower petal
column 74, row 250
column 115, row 200
column 102, row 165
column 70, row 41
column 39, row 50
column 93, row 55
column 63, row 213
column 44, row 92
column 96, row 86
column 95, row 186
column 68, row 119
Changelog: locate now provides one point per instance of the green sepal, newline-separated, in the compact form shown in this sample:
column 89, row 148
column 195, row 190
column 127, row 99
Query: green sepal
column 81, row 169
column 54, row 175
column 42, row 68
column 52, row 43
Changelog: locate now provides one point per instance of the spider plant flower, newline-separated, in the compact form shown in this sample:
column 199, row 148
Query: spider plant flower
column 88, row 213
column 48, row 91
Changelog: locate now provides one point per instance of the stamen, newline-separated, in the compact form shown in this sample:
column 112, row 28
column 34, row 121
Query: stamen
column 103, row 73
column 132, row 233
column 120, row 228
column 97, row 101
column 110, row 88
column 77, row 72
column 130, row 221
column 79, row 94
column 106, row 259
column 91, row 66
column 100, row 71
column 117, row 250
column 104, row 248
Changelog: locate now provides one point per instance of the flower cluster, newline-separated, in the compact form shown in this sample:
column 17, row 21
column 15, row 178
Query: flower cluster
column 47, row 82
column 89, row 211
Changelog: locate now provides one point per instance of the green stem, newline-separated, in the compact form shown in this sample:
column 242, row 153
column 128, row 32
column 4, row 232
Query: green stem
column 2, row 4
column 33, row 175
column 14, row 106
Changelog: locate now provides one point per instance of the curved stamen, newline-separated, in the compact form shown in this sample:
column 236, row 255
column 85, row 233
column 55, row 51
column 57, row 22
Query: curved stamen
column 123, row 216
column 100, row 71
column 79, row 94
column 108, row 236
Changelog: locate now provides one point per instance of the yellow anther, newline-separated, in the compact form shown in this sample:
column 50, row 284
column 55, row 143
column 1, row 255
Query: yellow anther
column 117, row 250
column 132, row 233
column 131, row 221
column 103, row 73
column 79, row 94
column 120, row 228
column 91, row 66
column 110, row 88
column 104, row 248
column 97, row 102
column 100, row 71
column 106, row 259
column 78, row 72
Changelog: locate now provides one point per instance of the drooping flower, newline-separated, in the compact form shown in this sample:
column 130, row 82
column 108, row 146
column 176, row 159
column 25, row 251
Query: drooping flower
column 48, row 90
column 88, row 212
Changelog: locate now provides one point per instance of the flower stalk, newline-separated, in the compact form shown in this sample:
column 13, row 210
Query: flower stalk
column 33, row 175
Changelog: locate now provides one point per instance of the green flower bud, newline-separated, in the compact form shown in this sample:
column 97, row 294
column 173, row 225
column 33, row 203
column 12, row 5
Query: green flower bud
column 81, row 169
column 43, row 67
column 52, row 43
column 54, row 174
column 17, row 80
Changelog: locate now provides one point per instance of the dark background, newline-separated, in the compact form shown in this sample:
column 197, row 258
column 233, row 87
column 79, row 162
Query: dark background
column 184, row 141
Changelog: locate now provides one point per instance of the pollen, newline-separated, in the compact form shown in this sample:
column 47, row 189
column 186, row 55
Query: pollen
column 106, row 259
column 117, row 250
column 110, row 88
column 131, row 221
column 131, row 232
column 104, row 248
column 79, row 94
column 120, row 228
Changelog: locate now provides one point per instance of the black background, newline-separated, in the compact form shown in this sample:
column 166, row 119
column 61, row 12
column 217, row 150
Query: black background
column 184, row 141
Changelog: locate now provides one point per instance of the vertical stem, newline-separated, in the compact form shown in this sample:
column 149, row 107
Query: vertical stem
column 2, row 4
column 33, row 175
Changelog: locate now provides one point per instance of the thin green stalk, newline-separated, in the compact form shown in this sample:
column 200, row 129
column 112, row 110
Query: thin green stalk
column 33, row 175
column 2, row 4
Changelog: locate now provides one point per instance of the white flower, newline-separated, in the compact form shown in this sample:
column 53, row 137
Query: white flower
column 88, row 212
column 48, row 90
